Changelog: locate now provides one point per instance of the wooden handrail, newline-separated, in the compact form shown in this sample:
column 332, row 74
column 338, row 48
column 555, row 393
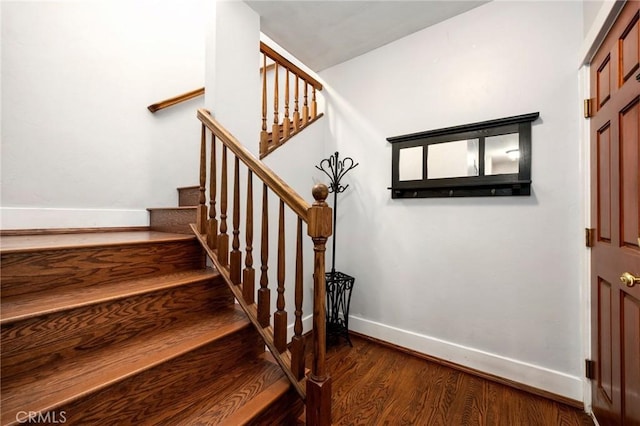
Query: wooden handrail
column 277, row 185
column 289, row 65
column 176, row 100
column 267, row 67
column 189, row 95
column 315, row 389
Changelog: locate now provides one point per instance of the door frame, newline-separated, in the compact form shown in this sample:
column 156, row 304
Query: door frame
column 603, row 22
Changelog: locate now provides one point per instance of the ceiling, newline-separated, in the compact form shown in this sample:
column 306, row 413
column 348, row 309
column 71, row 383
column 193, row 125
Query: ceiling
column 325, row 33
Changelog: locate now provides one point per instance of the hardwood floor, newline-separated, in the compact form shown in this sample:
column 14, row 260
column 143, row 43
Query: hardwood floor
column 376, row 385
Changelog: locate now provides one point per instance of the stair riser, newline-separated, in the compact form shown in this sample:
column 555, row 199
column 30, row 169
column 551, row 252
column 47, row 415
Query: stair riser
column 189, row 196
column 137, row 399
column 172, row 220
column 31, row 272
column 54, row 338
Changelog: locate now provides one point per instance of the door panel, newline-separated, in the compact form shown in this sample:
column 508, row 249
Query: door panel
column 604, row 81
column 605, row 376
column 629, row 172
column 604, row 184
column 615, row 209
column 630, row 359
column 629, row 49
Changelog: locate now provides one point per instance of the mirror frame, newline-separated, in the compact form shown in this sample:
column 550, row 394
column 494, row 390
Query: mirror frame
column 469, row 186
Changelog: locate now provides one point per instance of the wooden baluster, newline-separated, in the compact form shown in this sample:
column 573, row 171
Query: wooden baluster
column 212, row 233
column 296, row 112
column 223, row 238
column 297, row 342
column 319, row 383
column 236, row 254
column 264, row 136
column 314, row 104
column 248, row 275
column 305, row 107
column 286, row 123
column 275, row 130
column 201, row 219
column 264, row 294
column 280, row 317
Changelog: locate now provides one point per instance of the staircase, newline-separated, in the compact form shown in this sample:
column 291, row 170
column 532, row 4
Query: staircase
column 115, row 327
column 130, row 328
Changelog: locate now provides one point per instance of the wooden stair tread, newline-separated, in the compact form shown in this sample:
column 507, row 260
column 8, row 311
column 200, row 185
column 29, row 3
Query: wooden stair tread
column 235, row 399
column 267, row 396
column 98, row 369
column 172, row 208
column 256, row 405
column 31, row 243
column 29, row 305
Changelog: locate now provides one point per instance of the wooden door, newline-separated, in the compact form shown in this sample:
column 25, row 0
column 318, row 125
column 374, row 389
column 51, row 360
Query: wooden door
column 615, row 215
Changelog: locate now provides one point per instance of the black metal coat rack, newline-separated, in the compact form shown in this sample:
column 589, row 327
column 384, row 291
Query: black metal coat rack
column 339, row 285
column 336, row 169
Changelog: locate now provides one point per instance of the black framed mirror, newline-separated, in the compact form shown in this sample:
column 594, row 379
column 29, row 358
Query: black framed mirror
column 489, row 158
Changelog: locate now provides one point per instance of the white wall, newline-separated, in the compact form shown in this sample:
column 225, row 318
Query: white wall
column 79, row 147
column 590, row 10
column 491, row 283
column 232, row 72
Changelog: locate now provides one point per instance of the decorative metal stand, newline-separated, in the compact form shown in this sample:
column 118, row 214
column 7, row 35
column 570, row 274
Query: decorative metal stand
column 339, row 285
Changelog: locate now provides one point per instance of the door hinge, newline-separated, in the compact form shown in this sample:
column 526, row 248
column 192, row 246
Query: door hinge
column 590, row 369
column 587, row 108
column 589, row 237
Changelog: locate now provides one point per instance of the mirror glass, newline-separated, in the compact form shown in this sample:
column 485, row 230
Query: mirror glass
column 453, row 159
column 501, row 154
column 411, row 163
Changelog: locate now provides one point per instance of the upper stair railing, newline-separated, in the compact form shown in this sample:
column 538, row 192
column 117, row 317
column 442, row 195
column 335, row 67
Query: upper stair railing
column 223, row 246
column 289, row 100
column 276, row 101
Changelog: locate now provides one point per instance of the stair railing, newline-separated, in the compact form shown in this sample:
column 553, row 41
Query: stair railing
column 296, row 81
column 223, row 247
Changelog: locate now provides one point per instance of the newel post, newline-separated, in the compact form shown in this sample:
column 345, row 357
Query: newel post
column 319, row 382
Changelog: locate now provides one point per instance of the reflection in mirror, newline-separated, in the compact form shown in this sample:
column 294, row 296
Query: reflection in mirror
column 501, row 154
column 411, row 163
column 453, row 159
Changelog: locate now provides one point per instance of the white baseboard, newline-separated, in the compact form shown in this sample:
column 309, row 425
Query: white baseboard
column 531, row 375
column 307, row 325
column 49, row 218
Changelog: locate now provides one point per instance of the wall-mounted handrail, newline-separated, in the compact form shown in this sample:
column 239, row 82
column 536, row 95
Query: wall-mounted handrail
column 221, row 241
column 176, row 100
